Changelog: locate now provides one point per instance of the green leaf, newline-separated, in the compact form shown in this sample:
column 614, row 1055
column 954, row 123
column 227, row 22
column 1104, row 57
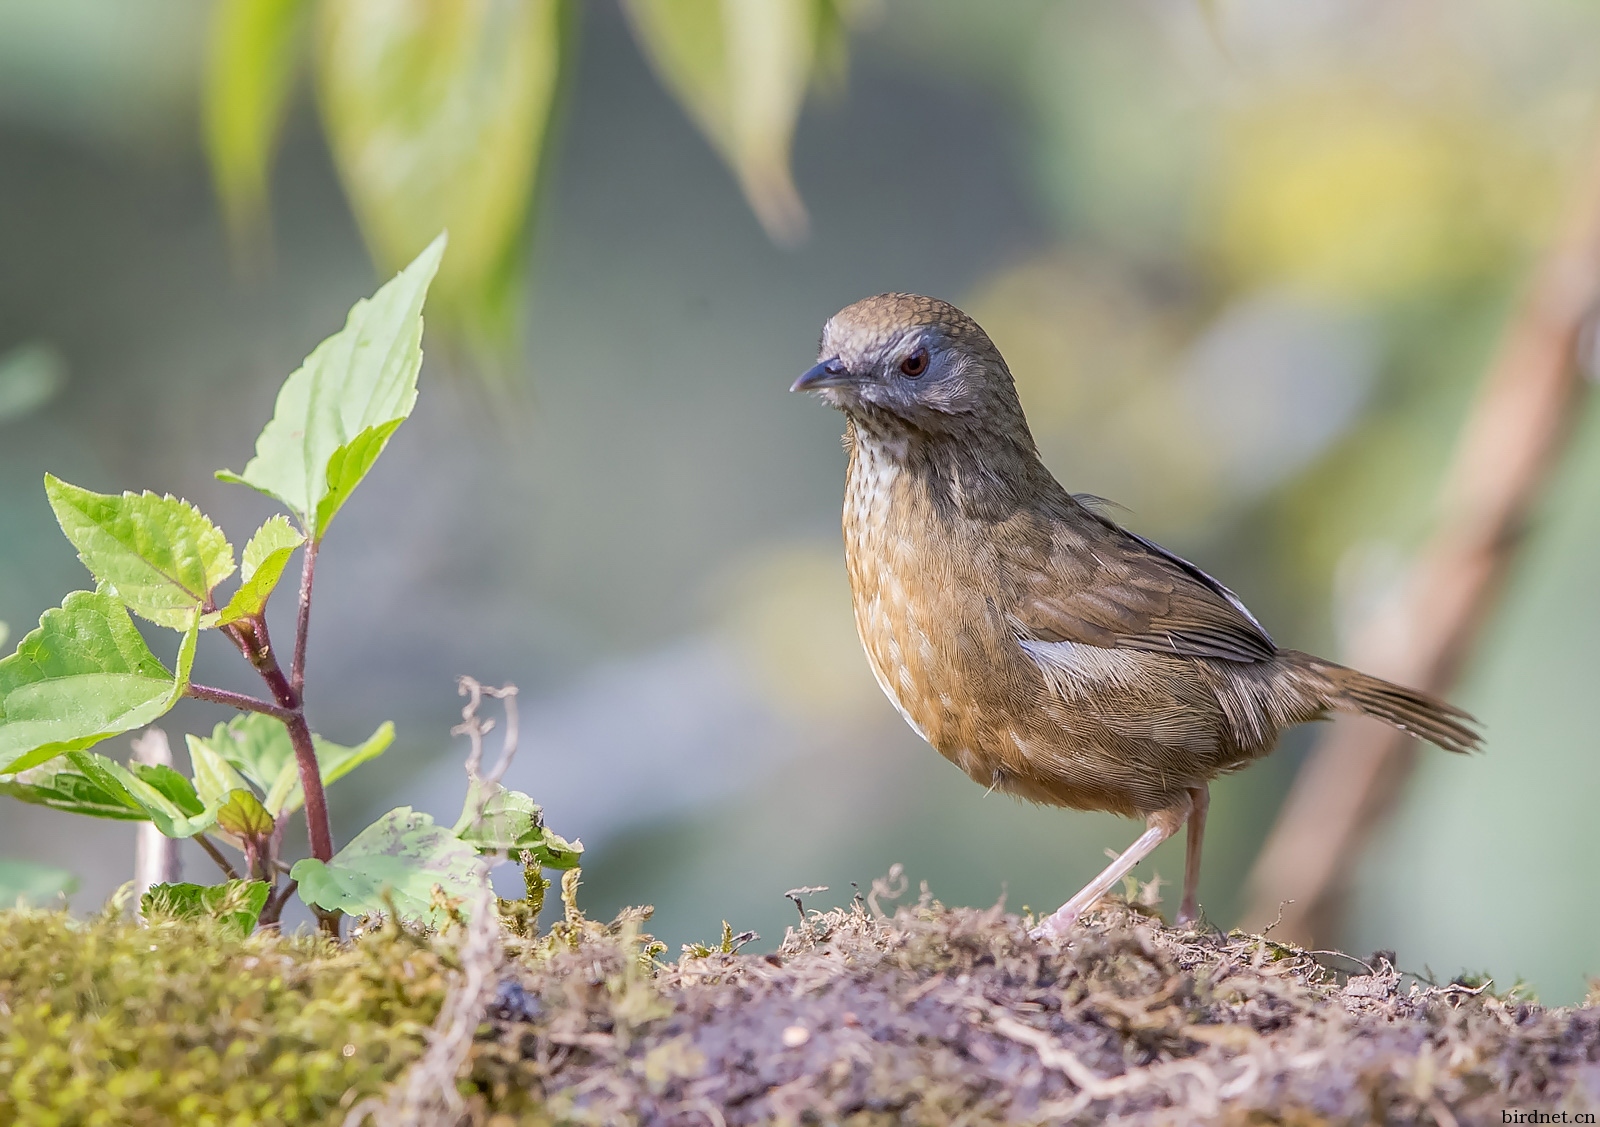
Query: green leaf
column 363, row 376
column 740, row 69
column 214, row 777
column 171, row 785
column 61, row 786
column 183, row 816
column 250, row 69
column 83, row 782
column 335, row 761
column 236, row 903
column 25, row 882
column 243, row 816
column 350, row 464
column 438, row 117
column 511, row 822
column 159, row 555
column 404, row 855
column 5, row 633
column 556, row 852
column 265, row 557
column 255, row 745
column 82, row 676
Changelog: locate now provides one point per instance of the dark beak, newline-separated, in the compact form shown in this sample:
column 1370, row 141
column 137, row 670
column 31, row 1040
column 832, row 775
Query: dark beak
column 829, row 373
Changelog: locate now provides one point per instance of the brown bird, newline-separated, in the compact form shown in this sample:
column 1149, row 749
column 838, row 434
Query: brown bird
column 1036, row 644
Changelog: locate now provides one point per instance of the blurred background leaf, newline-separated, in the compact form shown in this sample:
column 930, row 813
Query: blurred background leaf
column 30, row 377
column 438, row 113
column 254, row 55
column 741, row 69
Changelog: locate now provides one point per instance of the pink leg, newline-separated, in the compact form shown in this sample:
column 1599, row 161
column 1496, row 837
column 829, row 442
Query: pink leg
column 1162, row 825
column 1199, row 801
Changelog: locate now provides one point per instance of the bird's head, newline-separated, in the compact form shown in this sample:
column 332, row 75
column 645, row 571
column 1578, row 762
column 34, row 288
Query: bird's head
column 917, row 362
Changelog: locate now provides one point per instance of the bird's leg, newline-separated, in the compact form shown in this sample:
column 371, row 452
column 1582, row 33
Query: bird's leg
column 1199, row 800
column 1161, row 825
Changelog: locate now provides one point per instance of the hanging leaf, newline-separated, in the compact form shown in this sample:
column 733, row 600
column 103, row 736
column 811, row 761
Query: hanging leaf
column 336, row 411
column 438, row 114
column 82, row 676
column 159, row 555
column 399, row 859
column 740, row 69
column 250, row 69
column 25, row 882
column 261, row 567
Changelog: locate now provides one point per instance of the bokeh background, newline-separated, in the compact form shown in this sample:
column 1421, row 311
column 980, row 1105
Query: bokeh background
column 1248, row 261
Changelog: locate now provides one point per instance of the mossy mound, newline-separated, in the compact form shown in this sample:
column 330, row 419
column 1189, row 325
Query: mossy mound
column 933, row 1016
column 107, row 1022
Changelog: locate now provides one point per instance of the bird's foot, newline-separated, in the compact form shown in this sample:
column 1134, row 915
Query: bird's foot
column 1058, row 925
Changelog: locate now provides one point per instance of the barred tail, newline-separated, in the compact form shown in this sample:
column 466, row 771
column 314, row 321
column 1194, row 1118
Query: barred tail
column 1417, row 713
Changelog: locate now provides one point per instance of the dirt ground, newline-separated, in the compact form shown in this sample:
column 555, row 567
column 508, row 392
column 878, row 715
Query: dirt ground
column 957, row 1016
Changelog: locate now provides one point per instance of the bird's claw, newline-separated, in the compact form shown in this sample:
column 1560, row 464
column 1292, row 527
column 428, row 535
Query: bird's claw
column 1054, row 928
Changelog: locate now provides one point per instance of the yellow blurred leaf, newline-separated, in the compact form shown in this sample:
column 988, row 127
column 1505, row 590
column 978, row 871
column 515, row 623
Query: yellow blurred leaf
column 1360, row 195
column 740, row 69
column 250, row 69
column 437, row 112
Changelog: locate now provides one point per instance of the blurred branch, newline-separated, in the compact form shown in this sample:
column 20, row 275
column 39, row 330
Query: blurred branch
column 155, row 856
column 1508, row 447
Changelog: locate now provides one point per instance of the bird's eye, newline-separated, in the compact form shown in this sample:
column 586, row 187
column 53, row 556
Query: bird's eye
column 915, row 364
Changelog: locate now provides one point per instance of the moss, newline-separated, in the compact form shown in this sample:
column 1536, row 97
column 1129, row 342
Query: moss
column 107, row 1022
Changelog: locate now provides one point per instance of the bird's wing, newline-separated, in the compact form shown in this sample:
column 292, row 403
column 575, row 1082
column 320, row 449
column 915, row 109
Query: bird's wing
column 1093, row 582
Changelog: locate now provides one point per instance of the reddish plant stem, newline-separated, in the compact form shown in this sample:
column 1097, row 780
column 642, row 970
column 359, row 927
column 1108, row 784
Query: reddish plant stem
column 242, row 701
column 251, row 636
column 276, row 899
column 302, row 626
column 305, row 754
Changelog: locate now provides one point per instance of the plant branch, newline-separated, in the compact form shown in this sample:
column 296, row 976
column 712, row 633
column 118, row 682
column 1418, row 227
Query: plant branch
column 297, row 665
column 242, row 701
column 305, row 754
column 251, row 636
column 1512, row 440
column 276, row 899
column 216, row 855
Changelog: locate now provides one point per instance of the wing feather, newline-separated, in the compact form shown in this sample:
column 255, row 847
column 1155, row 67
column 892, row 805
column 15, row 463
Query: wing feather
column 1131, row 594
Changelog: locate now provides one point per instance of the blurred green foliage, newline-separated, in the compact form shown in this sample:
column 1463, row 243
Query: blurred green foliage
column 439, row 114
